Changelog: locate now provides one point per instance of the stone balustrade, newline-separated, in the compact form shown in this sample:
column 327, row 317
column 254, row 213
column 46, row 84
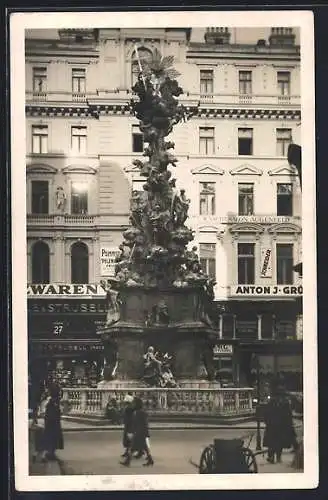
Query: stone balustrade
column 196, row 401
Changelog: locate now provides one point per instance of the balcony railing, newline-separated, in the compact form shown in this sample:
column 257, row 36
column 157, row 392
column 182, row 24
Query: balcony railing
column 54, row 219
column 234, row 401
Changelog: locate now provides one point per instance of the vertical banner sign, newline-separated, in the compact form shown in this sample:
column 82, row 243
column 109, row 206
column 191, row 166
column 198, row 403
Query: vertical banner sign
column 107, row 260
column 266, row 262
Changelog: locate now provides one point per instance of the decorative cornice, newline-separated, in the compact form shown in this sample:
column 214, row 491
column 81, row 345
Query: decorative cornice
column 207, row 169
column 246, row 169
column 284, row 170
column 40, row 168
column 246, row 228
column 79, row 169
column 124, row 108
column 285, row 228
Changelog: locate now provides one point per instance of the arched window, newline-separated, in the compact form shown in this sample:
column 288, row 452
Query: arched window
column 40, row 263
column 135, row 69
column 79, row 263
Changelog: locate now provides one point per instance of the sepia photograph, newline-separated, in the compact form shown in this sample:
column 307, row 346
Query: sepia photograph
column 160, row 235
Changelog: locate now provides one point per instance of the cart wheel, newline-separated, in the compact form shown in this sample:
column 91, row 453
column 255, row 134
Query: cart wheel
column 207, row 461
column 250, row 460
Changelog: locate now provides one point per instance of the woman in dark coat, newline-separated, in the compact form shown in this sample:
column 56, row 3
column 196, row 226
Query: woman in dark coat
column 127, row 422
column 53, row 435
column 279, row 432
column 140, row 440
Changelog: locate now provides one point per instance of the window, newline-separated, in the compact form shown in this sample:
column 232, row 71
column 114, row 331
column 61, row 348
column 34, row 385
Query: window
column 78, row 81
column 245, row 82
column 79, row 198
column 283, row 81
column 79, row 263
column 207, row 254
column 245, row 199
column 284, row 139
column 284, row 254
column 207, row 198
column 79, row 140
column 246, row 263
column 137, row 139
column 40, row 263
column 39, row 79
column 246, row 326
column 135, row 67
column 39, row 139
column 245, row 141
column 40, row 197
column 284, row 199
column 206, row 140
column 206, row 82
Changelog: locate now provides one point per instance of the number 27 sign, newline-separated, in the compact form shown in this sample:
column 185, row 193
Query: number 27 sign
column 58, row 328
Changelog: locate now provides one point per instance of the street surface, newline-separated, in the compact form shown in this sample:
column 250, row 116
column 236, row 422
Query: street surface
column 99, row 452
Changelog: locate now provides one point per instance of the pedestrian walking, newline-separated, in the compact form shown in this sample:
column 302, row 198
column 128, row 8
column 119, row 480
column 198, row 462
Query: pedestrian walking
column 279, row 432
column 140, row 439
column 127, row 422
column 53, row 435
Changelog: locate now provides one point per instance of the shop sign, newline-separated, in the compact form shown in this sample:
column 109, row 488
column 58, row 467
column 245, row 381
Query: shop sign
column 239, row 219
column 222, row 350
column 266, row 291
column 60, row 347
column 74, row 307
column 107, row 260
column 266, row 263
column 53, row 289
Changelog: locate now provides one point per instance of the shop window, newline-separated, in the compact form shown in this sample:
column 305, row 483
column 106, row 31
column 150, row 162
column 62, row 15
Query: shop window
column 137, row 139
column 245, row 199
column 39, row 139
column 207, row 258
column 39, row 80
column 284, row 199
column 227, row 326
column 283, row 82
column 246, row 263
column 285, row 327
column 40, row 197
column 79, row 140
column 79, row 263
column 245, row 82
column 207, row 198
column 245, row 141
column 284, row 139
column 206, row 82
column 79, row 198
column 40, row 262
column 78, row 81
column 247, row 327
column 206, row 140
column 285, row 263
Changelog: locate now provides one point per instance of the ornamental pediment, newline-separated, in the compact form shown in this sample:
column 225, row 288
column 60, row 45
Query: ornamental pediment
column 284, row 170
column 246, row 228
column 285, row 228
column 40, row 168
column 208, row 169
column 246, row 169
column 208, row 229
column 79, row 169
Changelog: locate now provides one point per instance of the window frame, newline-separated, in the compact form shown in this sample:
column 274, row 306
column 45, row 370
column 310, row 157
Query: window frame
column 39, row 72
column 77, row 264
column 208, row 262
column 37, row 259
column 243, row 258
column 78, row 151
column 207, row 140
column 208, row 83
column 280, row 83
column 282, row 143
column 74, row 196
column 79, row 79
column 284, row 274
column 208, row 196
column 40, row 137
column 244, row 83
column 34, row 182
column 243, row 210
column 280, row 196
column 250, row 139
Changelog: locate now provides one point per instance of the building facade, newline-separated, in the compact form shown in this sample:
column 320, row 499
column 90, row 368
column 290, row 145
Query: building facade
column 245, row 199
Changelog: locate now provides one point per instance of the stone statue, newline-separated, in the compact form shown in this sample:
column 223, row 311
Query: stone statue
column 113, row 307
column 152, row 367
column 60, row 198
